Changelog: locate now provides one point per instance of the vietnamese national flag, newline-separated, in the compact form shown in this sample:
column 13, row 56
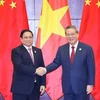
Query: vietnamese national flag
column 13, row 20
column 90, row 34
column 54, row 18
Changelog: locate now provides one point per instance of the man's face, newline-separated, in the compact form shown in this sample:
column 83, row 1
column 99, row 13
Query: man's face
column 72, row 36
column 27, row 39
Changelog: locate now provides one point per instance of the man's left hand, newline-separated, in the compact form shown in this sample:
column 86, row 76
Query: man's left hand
column 42, row 90
column 89, row 89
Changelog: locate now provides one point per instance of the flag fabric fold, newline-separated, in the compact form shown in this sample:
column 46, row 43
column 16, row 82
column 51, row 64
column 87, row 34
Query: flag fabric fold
column 54, row 18
column 13, row 19
column 90, row 33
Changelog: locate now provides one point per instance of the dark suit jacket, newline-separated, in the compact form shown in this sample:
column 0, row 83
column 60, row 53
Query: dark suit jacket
column 24, row 70
column 80, row 73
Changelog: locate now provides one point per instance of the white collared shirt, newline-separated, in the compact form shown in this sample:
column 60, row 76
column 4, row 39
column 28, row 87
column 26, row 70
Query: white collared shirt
column 70, row 47
column 28, row 50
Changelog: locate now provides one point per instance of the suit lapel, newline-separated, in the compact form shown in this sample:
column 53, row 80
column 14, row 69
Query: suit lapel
column 66, row 54
column 25, row 51
column 76, row 58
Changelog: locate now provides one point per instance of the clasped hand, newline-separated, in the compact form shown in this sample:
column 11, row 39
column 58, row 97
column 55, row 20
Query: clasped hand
column 41, row 71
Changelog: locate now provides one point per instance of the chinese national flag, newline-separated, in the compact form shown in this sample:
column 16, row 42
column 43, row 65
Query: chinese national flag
column 90, row 33
column 13, row 20
column 54, row 18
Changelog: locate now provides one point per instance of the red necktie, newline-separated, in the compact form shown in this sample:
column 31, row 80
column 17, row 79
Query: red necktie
column 30, row 52
column 72, row 54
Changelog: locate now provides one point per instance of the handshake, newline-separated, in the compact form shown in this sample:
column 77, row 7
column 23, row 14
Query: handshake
column 41, row 71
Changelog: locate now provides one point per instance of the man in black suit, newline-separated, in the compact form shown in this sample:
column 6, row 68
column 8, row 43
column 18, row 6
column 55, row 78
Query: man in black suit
column 78, row 66
column 26, row 84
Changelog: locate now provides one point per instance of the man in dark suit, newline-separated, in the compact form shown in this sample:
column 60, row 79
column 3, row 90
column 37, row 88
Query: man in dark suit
column 78, row 66
column 26, row 84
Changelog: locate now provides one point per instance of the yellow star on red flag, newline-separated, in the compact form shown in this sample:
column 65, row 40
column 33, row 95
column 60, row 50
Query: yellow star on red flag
column 87, row 2
column 2, row 2
column 98, row 4
column 50, row 22
column 13, row 4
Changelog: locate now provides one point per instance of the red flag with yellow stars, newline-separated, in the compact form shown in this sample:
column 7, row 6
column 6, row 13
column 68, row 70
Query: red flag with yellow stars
column 13, row 20
column 54, row 18
column 90, row 33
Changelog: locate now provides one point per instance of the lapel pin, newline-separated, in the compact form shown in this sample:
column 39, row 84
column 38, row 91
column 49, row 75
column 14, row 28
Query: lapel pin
column 80, row 49
column 34, row 51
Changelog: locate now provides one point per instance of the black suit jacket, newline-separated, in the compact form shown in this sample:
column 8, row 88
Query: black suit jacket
column 80, row 73
column 24, row 70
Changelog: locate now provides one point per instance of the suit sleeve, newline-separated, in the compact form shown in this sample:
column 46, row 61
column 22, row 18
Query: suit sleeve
column 20, row 65
column 91, row 67
column 55, row 64
column 43, row 78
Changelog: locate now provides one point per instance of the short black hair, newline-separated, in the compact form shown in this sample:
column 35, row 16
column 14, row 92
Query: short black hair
column 25, row 30
column 72, row 26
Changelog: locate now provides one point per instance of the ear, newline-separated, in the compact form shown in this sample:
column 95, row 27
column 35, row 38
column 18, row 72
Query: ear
column 78, row 35
column 21, row 40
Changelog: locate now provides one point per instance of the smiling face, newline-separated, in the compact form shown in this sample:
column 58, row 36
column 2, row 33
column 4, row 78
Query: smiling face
column 71, row 35
column 27, row 38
